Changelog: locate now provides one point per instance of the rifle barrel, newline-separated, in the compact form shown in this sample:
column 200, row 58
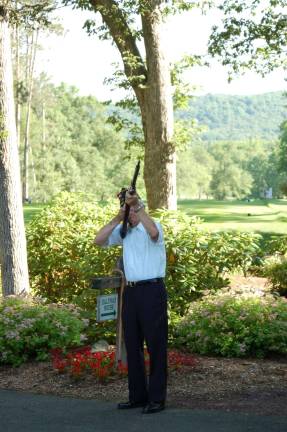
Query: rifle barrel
column 124, row 228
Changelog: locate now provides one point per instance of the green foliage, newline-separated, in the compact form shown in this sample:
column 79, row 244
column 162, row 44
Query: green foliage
column 233, row 326
column 230, row 181
column 30, row 14
column 182, row 89
column 63, row 259
column 277, row 245
column 225, row 159
column 194, row 171
column 283, row 147
column 252, row 35
column 61, row 254
column 125, row 117
column 198, row 261
column 277, row 274
column 238, row 118
column 29, row 330
column 74, row 149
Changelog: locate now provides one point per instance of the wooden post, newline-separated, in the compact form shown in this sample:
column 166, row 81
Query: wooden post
column 118, row 283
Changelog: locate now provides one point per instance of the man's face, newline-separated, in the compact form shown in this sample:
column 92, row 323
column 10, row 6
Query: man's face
column 133, row 218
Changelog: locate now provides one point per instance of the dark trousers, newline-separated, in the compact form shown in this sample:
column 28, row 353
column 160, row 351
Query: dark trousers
column 145, row 318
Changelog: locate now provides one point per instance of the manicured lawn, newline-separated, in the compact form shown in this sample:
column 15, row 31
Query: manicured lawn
column 263, row 216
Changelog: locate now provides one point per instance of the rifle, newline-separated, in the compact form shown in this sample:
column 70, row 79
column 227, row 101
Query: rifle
column 122, row 197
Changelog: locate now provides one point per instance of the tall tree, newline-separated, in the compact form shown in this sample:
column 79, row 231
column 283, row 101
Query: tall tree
column 13, row 255
column 150, row 80
column 14, row 268
column 32, row 48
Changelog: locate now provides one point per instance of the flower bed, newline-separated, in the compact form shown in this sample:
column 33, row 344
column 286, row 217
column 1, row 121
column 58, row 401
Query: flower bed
column 102, row 364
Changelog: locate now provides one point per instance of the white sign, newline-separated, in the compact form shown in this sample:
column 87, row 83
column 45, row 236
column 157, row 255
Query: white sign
column 107, row 307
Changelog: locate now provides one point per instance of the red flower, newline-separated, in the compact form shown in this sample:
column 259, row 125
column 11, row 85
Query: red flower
column 102, row 363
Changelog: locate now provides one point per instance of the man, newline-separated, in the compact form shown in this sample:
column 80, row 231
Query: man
column 144, row 313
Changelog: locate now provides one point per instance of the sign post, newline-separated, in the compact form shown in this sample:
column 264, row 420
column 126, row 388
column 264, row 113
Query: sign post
column 109, row 307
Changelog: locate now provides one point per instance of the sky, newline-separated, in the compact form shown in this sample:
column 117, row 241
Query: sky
column 85, row 62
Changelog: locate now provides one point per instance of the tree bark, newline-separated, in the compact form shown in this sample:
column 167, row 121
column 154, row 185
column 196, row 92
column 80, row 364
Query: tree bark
column 160, row 163
column 17, row 77
column 30, row 77
column 154, row 96
column 13, row 255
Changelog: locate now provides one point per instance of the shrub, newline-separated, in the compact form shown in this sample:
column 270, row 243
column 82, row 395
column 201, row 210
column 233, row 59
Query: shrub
column 277, row 274
column 29, row 330
column 199, row 261
column 277, row 245
column 235, row 327
column 62, row 257
column 61, row 254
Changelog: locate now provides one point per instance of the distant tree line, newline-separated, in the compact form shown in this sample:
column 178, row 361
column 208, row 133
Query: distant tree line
column 234, row 117
column 73, row 147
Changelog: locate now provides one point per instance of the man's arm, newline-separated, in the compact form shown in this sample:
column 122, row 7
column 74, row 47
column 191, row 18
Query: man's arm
column 133, row 201
column 106, row 230
column 149, row 224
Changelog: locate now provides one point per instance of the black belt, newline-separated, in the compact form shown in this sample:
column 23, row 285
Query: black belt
column 143, row 282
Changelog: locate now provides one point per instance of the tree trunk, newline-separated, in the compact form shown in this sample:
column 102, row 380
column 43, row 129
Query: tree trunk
column 153, row 95
column 160, row 162
column 13, row 255
column 30, row 77
column 17, row 77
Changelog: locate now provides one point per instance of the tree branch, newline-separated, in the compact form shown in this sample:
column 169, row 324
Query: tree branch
column 115, row 20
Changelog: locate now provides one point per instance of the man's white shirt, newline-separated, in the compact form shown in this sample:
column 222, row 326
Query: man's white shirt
column 143, row 257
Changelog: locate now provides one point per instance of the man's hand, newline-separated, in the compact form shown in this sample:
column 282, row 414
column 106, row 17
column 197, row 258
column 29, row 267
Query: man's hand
column 132, row 199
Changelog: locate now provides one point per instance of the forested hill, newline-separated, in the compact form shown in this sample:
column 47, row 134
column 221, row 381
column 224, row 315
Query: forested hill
column 239, row 117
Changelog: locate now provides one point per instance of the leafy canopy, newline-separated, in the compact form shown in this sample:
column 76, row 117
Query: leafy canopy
column 253, row 35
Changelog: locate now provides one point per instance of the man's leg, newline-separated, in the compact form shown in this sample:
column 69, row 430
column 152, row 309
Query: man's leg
column 134, row 345
column 154, row 322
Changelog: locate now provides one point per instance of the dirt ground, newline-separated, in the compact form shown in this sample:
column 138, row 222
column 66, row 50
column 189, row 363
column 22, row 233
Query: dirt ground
column 246, row 385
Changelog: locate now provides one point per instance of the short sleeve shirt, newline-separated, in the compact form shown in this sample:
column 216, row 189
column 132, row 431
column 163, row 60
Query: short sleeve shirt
column 143, row 257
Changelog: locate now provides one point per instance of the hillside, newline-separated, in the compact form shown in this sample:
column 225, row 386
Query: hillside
column 239, row 117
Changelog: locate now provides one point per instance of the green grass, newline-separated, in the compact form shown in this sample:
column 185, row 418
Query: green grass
column 262, row 216
column 30, row 210
column 266, row 216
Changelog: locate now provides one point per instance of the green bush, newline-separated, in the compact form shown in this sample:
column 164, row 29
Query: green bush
column 199, row 261
column 277, row 274
column 62, row 256
column 272, row 249
column 235, row 327
column 277, row 245
column 29, row 330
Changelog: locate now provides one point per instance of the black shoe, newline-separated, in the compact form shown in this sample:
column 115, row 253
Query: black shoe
column 153, row 407
column 129, row 405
